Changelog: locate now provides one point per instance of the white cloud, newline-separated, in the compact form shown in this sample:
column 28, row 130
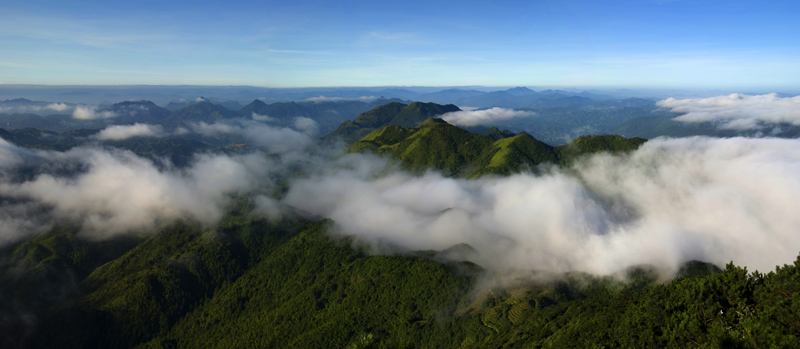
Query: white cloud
column 213, row 129
column 336, row 99
column 672, row 201
column 89, row 113
column 737, row 111
column 306, row 125
column 264, row 118
column 274, row 140
column 119, row 191
column 120, row 132
column 484, row 116
column 111, row 191
column 57, row 106
column 10, row 155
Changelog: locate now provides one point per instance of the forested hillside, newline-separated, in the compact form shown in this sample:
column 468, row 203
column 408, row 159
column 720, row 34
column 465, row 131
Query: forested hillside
column 249, row 283
column 436, row 144
column 278, row 276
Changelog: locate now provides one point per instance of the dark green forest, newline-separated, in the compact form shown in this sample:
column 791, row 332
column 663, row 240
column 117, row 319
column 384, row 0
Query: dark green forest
column 248, row 282
column 456, row 152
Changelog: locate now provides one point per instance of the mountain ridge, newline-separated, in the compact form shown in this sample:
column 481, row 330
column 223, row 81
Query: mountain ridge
column 435, row 144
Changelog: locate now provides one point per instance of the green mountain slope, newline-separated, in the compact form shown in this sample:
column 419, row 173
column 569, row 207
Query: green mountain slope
column 315, row 293
column 388, row 114
column 247, row 284
column 496, row 134
column 144, row 292
column 457, row 152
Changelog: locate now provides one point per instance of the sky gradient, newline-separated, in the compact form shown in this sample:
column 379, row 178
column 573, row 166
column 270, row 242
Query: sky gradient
column 673, row 44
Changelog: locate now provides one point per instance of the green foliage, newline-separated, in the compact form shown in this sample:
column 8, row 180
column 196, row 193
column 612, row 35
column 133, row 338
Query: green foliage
column 495, row 134
column 248, row 283
column 46, row 271
column 593, row 144
column 393, row 113
column 314, row 292
column 457, row 152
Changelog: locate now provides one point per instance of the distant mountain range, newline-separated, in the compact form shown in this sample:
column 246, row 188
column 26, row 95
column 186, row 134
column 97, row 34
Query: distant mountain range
column 556, row 117
column 247, row 281
column 327, row 114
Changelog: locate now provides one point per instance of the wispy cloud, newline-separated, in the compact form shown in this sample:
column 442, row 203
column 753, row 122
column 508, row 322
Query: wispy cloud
column 272, row 140
column 671, row 201
column 335, row 99
column 737, row 111
column 484, row 116
column 91, row 112
column 41, row 109
column 120, row 132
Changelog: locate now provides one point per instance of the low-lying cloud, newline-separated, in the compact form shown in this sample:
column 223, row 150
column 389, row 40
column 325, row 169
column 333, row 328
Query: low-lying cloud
column 38, row 109
column 274, row 140
column 120, row 132
column 90, row 113
column 737, row 111
column 672, row 201
column 265, row 118
column 306, row 125
column 483, row 116
column 121, row 192
column 337, row 99
column 110, row 191
column 57, row 106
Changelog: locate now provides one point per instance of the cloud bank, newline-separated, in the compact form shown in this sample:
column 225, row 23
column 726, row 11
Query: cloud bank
column 271, row 139
column 120, row 132
column 737, row 111
column 110, row 191
column 483, row 116
column 672, row 201
column 265, row 118
column 41, row 109
column 337, row 99
column 89, row 113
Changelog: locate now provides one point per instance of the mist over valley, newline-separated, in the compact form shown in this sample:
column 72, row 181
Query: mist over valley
column 513, row 174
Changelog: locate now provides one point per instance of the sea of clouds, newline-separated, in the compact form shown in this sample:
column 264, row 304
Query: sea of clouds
column 669, row 202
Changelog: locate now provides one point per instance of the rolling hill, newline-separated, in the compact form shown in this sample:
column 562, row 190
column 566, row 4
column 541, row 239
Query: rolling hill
column 399, row 114
column 456, row 152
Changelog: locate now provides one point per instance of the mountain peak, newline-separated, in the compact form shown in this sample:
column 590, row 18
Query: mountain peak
column 495, row 133
column 430, row 122
column 520, row 91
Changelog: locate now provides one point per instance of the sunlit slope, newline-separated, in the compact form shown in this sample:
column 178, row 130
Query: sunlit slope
column 435, row 144
column 394, row 113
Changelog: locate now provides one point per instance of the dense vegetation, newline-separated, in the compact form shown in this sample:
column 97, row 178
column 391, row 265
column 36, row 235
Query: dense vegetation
column 249, row 283
column 394, row 113
column 457, row 152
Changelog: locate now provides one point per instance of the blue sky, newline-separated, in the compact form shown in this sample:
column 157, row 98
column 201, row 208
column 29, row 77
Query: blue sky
column 637, row 43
